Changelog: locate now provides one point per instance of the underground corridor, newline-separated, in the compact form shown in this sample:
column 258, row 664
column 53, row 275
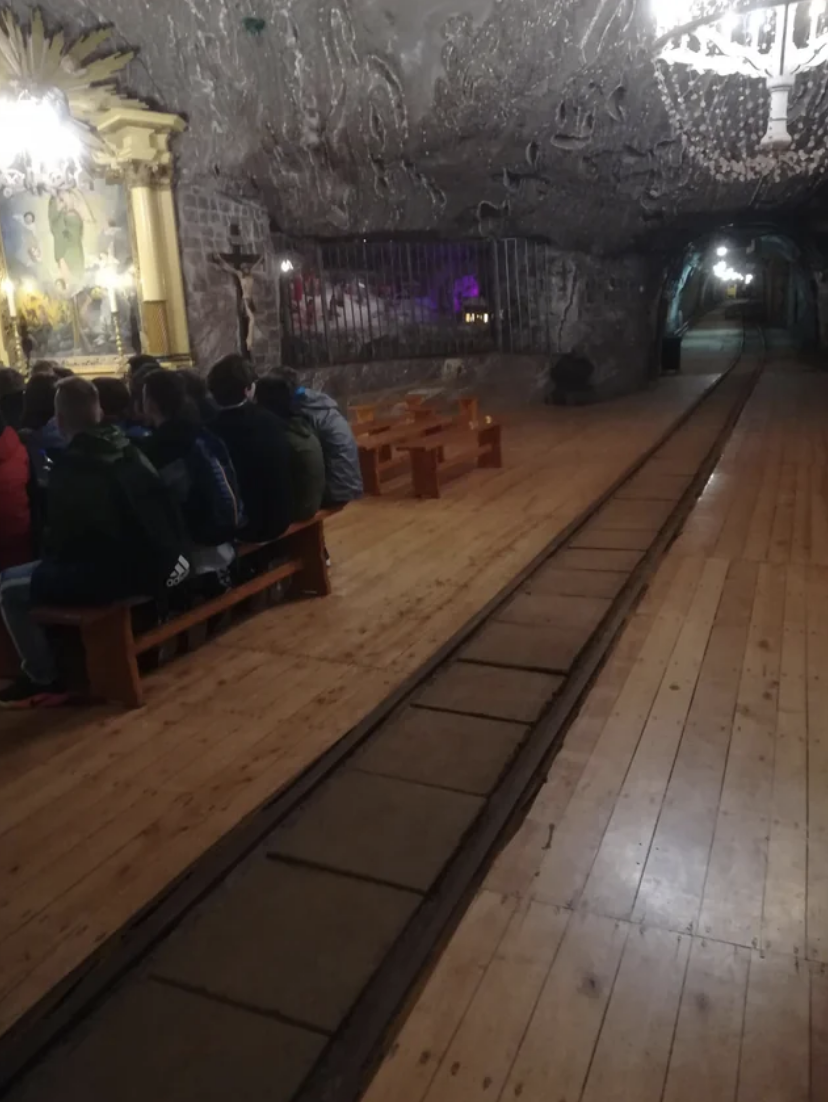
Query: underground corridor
column 474, row 748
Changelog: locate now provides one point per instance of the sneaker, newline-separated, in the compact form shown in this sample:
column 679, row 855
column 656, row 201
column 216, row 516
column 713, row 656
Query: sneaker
column 25, row 693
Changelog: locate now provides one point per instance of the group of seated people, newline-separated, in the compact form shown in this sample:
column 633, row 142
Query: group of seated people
column 112, row 488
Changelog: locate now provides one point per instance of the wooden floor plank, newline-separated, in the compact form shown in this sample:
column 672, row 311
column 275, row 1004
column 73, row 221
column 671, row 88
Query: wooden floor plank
column 704, row 1062
column 566, row 866
column 619, row 865
column 556, row 1052
column 483, row 1049
column 416, row 1054
column 734, row 891
column 775, row 1065
column 671, row 889
column 784, row 908
column 633, row 1051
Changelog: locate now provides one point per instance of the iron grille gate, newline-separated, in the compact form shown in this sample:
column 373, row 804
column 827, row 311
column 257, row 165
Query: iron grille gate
column 378, row 300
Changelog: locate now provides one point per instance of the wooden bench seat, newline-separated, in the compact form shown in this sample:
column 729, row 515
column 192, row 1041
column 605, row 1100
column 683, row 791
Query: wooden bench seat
column 480, row 443
column 376, row 457
column 111, row 648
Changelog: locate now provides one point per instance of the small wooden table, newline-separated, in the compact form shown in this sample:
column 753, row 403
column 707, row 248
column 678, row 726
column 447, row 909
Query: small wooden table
column 376, row 449
column 480, row 443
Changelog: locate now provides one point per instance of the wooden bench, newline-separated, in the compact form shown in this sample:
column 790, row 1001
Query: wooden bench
column 363, row 414
column 376, row 457
column 480, row 443
column 111, row 649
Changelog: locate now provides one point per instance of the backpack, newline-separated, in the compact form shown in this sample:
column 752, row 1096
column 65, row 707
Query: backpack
column 161, row 542
column 217, row 512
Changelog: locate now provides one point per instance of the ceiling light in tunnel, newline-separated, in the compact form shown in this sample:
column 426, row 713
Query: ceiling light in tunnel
column 722, row 250
column 773, row 43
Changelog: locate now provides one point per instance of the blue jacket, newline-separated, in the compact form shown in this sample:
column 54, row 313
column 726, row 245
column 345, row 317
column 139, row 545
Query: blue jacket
column 343, row 478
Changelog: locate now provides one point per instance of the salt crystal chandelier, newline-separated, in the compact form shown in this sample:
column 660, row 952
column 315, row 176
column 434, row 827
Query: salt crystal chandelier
column 768, row 46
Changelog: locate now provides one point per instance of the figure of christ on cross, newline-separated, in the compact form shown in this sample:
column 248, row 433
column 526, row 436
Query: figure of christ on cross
column 244, row 268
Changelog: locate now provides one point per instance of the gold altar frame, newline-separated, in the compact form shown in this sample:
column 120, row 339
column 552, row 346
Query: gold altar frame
column 136, row 151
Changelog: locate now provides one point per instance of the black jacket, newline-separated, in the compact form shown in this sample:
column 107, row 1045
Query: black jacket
column 259, row 449
column 107, row 509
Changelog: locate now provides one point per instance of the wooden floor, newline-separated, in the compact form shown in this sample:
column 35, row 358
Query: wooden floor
column 658, row 927
column 100, row 809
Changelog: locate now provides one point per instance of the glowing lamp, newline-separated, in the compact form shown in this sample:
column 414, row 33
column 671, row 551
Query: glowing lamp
column 39, row 147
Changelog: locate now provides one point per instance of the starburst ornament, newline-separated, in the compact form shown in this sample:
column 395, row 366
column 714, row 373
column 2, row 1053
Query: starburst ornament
column 52, row 97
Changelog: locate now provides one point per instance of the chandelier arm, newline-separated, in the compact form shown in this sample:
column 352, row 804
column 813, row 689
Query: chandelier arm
column 814, row 50
column 749, row 57
column 700, row 63
column 692, row 25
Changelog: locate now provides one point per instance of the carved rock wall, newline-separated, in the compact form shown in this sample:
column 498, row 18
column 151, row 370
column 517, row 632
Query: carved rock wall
column 456, row 116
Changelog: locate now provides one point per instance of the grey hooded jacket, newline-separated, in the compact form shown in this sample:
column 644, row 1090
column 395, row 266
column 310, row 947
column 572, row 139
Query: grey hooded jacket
column 343, row 480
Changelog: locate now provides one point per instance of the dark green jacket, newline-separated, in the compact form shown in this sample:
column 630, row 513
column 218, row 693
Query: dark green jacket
column 307, row 468
column 106, row 507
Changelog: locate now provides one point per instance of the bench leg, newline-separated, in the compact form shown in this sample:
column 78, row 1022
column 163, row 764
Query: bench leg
column 369, row 466
column 424, row 473
column 470, row 410
column 490, row 438
column 309, row 545
column 111, row 665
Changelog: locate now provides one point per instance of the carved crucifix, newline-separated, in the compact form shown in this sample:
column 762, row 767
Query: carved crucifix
column 244, row 267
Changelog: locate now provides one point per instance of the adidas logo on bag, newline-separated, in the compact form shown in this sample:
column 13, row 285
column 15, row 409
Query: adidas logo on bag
column 180, row 573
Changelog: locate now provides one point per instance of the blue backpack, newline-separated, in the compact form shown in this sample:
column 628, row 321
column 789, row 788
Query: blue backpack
column 214, row 511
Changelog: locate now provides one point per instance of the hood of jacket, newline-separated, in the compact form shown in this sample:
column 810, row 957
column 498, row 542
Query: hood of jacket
column 104, row 443
column 315, row 400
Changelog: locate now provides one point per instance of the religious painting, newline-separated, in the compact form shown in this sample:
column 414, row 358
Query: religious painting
column 69, row 258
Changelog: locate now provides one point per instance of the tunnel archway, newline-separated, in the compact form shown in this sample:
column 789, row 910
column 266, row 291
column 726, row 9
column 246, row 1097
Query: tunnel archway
column 764, row 266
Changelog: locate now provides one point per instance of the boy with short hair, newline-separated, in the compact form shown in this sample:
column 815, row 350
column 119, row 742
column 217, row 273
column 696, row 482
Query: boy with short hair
column 258, row 447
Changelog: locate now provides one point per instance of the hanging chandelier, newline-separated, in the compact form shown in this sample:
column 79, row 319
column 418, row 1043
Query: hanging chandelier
column 38, row 148
column 769, row 47
column 52, row 97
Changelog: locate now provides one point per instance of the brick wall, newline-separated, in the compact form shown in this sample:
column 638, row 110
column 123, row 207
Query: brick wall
column 205, row 218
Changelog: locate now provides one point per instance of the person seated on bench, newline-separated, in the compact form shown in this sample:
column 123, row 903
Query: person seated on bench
column 307, row 463
column 258, row 447
column 15, row 508
column 39, row 422
column 198, row 393
column 196, row 469
column 12, row 389
column 116, row 404
column 113, row 532
column 141, row 362
column 343, row 478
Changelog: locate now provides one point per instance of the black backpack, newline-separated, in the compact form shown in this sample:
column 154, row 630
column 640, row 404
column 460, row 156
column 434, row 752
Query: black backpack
column 161, row 539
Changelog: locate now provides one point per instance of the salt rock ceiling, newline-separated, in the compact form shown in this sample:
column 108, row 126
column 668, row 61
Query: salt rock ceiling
column 457, row 117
